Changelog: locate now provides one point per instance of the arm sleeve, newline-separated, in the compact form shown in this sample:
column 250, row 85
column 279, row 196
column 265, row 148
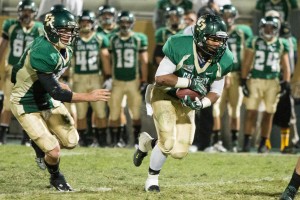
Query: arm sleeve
column 217, row 86
column 51, row 85
column 165, row 67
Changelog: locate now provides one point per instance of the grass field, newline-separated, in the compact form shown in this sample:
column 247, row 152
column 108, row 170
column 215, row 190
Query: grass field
column 109, row 174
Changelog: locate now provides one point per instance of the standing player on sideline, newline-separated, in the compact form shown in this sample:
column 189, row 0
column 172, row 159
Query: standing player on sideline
column 265, row 56
column 130, row 71
column 91, row 47
column 200, row 65
column 16, row 34
column 37, row 96
column 232, row 94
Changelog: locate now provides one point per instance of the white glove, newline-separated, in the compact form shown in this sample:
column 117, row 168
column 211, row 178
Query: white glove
column 107, row 84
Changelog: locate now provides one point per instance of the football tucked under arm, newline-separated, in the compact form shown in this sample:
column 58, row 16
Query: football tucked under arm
column 182, row 92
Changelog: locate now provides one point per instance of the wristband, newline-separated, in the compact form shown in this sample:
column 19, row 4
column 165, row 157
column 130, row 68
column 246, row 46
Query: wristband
column 183, row 82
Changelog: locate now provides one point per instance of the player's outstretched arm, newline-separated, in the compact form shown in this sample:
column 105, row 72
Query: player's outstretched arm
column 95, row 95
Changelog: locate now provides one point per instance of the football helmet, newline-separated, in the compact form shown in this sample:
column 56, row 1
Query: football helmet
column 210, row 27
column 285, row 30
column 125, row 20
column 174, row 17
column 60, row 28
column 106, row 14
column 58, row 7
column 269, row 27
column 23, row 7
column 229, row 13
column 88, row 16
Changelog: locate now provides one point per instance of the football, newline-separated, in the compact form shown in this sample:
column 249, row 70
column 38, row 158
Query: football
column 181, row 92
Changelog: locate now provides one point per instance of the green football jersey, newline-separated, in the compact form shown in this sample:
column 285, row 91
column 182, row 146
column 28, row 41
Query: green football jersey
column 86, row 53
column 162, row 34
column 19, row 38
column 282, row 6
column 185, row 58
column 40, row 56
column 236, row 43
column 125, row 55
column 266, row 64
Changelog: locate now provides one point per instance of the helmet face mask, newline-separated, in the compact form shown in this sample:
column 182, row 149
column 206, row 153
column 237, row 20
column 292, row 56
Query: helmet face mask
column 26, row 11
column 174, row 17
column 210, row 37
column 87, row 21
column 125, row 20
column 269, row 27
column 60, row 28
column 229, row 13
column 106, row 15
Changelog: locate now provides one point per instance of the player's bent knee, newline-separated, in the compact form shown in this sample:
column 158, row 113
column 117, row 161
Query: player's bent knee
column 72, row 139
column 178, row 155
column 167, row 145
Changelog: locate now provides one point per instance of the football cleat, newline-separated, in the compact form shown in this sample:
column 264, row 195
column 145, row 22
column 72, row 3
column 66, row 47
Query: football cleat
column 138, row 157
column 60, row 183
column 219, row 147
column 262, row 149
column 40, row 163
column 289, row 193
column 151, row 184
column 142, row 151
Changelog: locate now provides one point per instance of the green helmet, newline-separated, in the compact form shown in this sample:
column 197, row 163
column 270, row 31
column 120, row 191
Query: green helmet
column 213, row 27
column 26, row 5
column 58, row 7
column 274, row 22
column 60, row 28
column 229, row 13
column 108, row 19
column 174, row 11
column 125, row 16
column 89, row 16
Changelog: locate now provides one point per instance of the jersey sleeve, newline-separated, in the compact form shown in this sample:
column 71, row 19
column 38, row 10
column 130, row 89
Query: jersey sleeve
column 168, row 50
column 6, row 25
column 286, row 46
column 102, row 39
column 226, row 62
column 144, row 41
column 250, row 43
column 158, row 36
column 43, row 61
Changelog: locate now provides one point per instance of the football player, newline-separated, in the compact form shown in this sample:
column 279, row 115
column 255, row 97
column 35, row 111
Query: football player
column 174, row 24
column 130, row 71
column 265, row 56
column 37, row 96
column 90, row 49
column 200, row 65
column 16, row 35
column 232, row 94
column 106, row 18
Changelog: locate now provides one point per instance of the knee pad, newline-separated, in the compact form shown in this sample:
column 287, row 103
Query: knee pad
column 178, row 155
column 71, row 139
column 167, row 145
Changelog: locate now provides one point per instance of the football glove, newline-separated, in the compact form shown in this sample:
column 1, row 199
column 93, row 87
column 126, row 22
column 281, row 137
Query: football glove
column 107, row 83
column 245, row 89
column 284, row 88
column 194, row 105
column 198, row 86
column 143, row 87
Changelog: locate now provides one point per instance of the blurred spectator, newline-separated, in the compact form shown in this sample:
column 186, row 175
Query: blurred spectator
column 74, row 6
column 189, row 18
column 160, row 9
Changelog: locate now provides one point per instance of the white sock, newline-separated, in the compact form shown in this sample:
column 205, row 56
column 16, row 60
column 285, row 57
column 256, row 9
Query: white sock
column 157, row 159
